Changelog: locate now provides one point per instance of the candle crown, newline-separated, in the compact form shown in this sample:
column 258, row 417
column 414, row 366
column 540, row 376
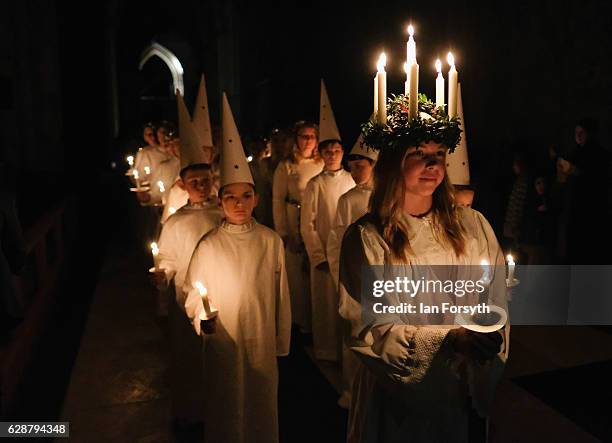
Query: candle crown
column 400, row 132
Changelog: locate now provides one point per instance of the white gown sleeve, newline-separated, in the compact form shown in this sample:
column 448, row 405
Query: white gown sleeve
column 308, row 225
column 334, row 240
column 168, row 251
column 279, row 194
column 283, row 306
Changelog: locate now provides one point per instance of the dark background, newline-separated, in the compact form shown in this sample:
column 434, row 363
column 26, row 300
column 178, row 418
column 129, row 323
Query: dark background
column 73, row 98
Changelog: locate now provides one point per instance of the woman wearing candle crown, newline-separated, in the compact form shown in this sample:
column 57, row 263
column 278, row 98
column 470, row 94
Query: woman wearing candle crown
column 413, row 382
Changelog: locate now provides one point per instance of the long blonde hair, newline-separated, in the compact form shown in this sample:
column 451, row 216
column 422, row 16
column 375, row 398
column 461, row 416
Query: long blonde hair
column 292, row 157
column 386, row 206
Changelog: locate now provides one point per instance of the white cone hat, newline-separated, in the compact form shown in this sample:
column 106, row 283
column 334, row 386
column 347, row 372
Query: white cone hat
column 359, row 148
column 191, row 152
column 234, row 166
column 201, row 116
column 328, row 130
column 457, row 163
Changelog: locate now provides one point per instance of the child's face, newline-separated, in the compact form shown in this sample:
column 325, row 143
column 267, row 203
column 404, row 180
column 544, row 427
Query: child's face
column 198, row 184
column 361, row 170
column 238, row 201
column 332, row 156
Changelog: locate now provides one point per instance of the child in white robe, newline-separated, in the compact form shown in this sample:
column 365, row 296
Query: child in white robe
column 317, row 217
column 241, row 263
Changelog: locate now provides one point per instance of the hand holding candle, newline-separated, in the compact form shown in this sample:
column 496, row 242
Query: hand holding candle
column 209, row 313
column 137, row 179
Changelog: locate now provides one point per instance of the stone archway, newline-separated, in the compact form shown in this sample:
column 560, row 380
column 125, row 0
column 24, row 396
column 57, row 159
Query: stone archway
column 168, row 57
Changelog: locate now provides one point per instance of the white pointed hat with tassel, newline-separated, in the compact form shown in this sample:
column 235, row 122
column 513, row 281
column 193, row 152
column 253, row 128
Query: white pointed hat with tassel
column 328, row 130
column 201, row 116
column 234, row 166
column 457, row 163
column 191, row 152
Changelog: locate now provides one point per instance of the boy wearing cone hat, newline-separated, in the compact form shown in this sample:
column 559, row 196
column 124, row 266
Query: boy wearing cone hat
column 236, row 280
column 316, row 220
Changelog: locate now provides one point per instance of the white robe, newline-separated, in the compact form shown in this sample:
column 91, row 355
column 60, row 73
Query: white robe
column 175, row 198
column 317, row 217
column 289, row 182
column 243, row 268
column 352, row 205
column 408, row 387
column 178, row 239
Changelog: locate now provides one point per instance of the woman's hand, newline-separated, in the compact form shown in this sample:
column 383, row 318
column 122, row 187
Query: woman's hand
column 476, row 345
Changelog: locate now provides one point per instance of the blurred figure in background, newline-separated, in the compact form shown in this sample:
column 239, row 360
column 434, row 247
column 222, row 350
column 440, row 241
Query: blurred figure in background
column 261, row 169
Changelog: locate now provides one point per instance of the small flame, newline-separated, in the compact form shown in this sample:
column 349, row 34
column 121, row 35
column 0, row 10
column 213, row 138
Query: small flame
column 201, row 288
column 411, row 30
column 154, row 249
column 382, row 62
column 450, row 59
column 135, row 173
column 438, row 66
column 171, row 210
column 249, row 159
column 161, row 186
column 147, row 170
column 130, row 160
column 510, row 259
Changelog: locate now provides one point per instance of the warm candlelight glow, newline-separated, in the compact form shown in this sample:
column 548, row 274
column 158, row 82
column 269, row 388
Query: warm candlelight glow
column 135, row 174
column 204, row 293
column 147, row 170
column 249, row 159
column 154, row 249
column 382, row 62
column 450, row 59
column 438, row 66
column 410, row 30
column 130, row 160
column 484, row 262
column 171, row 210
column 161, row 186
column 510, row 259
column 201, row 288
column 406, row 68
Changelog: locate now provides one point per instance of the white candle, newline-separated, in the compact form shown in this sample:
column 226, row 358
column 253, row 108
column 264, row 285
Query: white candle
column 407, row 83
column 452, row 86
column 376, row 94
column 413, row 105
column 130, row 160
column 381, row 78
column 147, row 170
column 161, row 186
column 136, row 178
column 510, row 268
column 204, row 294
column 155, row 252
column 439, row 85
column 410, row 48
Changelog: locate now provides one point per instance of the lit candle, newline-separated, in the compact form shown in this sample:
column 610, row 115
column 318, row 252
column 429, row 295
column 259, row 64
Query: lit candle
column 439, row 85
column 510, row 268
column 413, row 104
column 452, row 86
column 249, row 159
column 161, row 186
column 410, row 48
column 130, row 160
column 376, row 94
column 147, row 170
column 154, row 252
column 204, row 294
column 486, row 272
column 381, row 82
column 136, row 178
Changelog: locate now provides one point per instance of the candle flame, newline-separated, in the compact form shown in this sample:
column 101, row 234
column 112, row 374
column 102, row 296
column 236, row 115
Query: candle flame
column 249, row 159
column 161, row 186
column 438, row 66
column 450, row 59
column 410, row 30
column 382, row 62
column 130, row 160
column 484, row 262
column 147, row 170
column 154, row 249
column 135, row 173
column 171, row 210
column 201, row 288
column 510, row 259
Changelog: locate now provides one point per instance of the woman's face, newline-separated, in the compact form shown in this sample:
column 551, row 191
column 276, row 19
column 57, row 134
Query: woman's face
column 582, row 136
column 306, row 141
column 423, row 168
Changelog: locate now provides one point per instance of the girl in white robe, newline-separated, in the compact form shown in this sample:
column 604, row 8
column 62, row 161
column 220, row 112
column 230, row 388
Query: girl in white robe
column 289, row 182
column 317, row 218
column 414, row 381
